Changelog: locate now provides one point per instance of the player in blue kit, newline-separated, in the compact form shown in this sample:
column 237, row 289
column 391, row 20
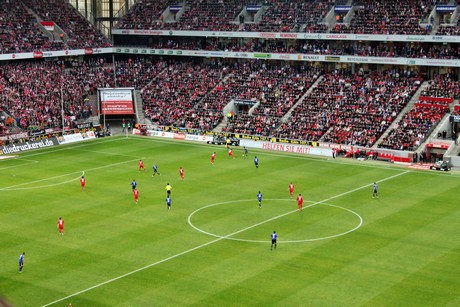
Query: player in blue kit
column 134, row 184
column 274, row 237
column 259, row 199
column 21, row 261
column 375, row 193
column 256, row 162
column 168, row 202
column 155, row 170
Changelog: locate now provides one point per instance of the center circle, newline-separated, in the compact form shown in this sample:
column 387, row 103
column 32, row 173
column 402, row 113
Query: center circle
column 277, row 216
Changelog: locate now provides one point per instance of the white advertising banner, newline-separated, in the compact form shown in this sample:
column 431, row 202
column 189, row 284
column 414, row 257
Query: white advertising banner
column 292, row 35
column 76, row 137
column 291, row 148
column 295, row 57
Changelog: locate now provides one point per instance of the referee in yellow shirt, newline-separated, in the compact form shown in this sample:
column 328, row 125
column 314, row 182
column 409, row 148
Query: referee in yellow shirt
column 168, row 189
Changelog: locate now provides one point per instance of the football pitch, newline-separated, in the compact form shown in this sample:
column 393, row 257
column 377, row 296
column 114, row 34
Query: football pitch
column 212, row 248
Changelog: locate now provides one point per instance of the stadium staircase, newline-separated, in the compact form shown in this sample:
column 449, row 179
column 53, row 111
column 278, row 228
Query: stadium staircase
column 94, row 119
column 140, row 116
column 220, row 126
column 55, row 35
column 286, row 117
column 223, row 123
column 408, row 107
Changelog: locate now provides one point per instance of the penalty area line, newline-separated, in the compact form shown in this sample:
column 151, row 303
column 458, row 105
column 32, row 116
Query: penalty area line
column 205, row 244
column 15, row 187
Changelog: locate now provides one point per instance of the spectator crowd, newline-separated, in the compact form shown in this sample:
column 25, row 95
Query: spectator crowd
column 20, row 31
column 369, row 17
column 34, row 95
column 424, row 116
column 352, row 109
column 295, row 101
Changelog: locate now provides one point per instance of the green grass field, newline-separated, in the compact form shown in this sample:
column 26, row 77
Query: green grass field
column 213, row 247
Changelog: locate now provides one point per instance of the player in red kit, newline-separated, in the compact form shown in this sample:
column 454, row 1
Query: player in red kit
column 82, row 182
column 291, row 189
column 60, row 226
column 299, row 201
column 213, row 157
column 181, row 173
column 230, row 153
column 136, row 195
column 141, row 165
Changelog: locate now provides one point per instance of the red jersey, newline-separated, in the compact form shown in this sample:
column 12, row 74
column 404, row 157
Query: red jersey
column 230, row 152
column 213, row 157
column 136, row 194
column 61, row 224
column 299, row 200
column 82, row 181
column 291, row 187
column 141, row 164
column 181, row 172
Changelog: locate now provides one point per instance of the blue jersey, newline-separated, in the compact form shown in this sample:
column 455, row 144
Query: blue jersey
column 21, row 259
column 154, row 167
column 259, row 196
column 256, row 161
column 134, row 184
column 168, row 201
column 274, row 236
column 375, row 187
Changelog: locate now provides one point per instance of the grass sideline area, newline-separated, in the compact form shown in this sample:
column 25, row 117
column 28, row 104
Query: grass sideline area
column 212, row 248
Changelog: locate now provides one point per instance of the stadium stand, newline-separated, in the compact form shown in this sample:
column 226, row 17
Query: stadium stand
column 444, row 86
column 353, row 109
column 415, row 126
column 19, row 31
column 278, row 16
column 80, row 33
column 370, row 17
column 456, row 110
column 145, row 14
column 427, row 112
column 287, row 85
column 210, row 16
column 32, row 94
column 172, row 99
column 386, row 17
column 292, row 16
column 31, row 91
column 344, row 108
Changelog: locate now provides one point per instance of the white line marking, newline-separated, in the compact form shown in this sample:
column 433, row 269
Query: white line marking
column 19, row 165
column 276, row 217
column 15, row 187
column 4, row 157
column 203, row 245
